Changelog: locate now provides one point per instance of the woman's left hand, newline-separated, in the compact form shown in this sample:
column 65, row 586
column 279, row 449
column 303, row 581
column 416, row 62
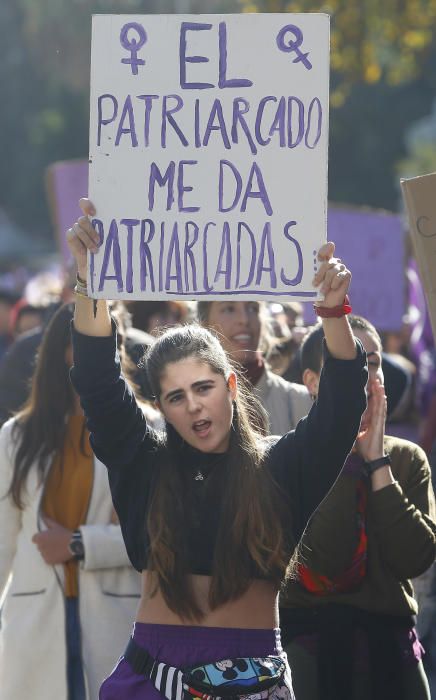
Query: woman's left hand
column 53, row 543
column 333, row 278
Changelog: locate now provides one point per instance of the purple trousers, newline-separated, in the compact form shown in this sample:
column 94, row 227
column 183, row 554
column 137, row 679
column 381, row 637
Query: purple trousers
column 183, row 646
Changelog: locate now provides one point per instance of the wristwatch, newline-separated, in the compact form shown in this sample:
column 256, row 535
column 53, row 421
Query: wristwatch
column 76, row 546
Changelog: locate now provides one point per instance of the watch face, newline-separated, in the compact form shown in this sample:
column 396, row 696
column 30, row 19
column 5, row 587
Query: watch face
column 76, row 547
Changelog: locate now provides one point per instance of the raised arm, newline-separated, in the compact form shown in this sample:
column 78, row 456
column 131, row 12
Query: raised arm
column 308, row 462
column 333, row 280
column 82, row 237
column 116, row 423
column 401, row 495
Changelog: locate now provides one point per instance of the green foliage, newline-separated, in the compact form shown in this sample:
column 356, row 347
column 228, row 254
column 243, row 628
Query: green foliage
column 371, row 40
column 367, row 140
column 58, row 35
column 44, row 74
column 420, row 161
column 382, row 66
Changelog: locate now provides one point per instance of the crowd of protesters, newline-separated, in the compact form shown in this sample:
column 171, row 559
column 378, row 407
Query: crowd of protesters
column 357, row 590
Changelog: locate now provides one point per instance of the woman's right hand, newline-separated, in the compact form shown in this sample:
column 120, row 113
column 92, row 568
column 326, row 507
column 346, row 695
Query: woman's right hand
column 82, row 237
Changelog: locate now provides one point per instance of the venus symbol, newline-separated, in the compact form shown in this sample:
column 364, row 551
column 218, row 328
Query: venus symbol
column 133, row 44
column 291, row 44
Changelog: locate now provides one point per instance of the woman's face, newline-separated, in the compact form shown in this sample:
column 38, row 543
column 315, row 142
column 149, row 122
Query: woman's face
column 197, row 402
column 238, row 323
column 165, row 318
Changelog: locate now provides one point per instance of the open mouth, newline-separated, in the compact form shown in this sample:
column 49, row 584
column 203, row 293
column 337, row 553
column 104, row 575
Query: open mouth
column 243, row 339
column 202, row 427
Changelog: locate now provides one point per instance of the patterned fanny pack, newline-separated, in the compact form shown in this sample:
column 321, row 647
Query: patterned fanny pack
column 245, row 678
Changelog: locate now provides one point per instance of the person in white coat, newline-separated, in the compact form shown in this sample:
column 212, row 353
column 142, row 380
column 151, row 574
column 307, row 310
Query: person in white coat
column 67, row 588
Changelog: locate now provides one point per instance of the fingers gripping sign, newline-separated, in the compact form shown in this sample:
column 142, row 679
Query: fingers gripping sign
column 82, row 237
column 332, row 278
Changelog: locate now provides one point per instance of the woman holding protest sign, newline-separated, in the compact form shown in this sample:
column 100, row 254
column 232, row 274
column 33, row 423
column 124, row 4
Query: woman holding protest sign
column 211, row 512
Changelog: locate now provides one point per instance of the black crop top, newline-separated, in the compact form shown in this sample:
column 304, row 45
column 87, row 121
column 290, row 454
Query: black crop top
column 305, row 462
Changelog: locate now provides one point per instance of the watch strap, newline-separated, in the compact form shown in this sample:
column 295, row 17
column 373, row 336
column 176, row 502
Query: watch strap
column 76, row 546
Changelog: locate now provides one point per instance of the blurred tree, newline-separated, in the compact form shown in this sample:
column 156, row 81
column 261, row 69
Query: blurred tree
column 30, row 120
column 420, row 161
column 58, row 35
column 367, row 138
column 420, row 139
column 44, row 74
column 371, row 41
column 382, row 60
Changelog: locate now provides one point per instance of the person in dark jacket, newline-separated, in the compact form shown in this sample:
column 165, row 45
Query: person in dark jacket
column 348, row 616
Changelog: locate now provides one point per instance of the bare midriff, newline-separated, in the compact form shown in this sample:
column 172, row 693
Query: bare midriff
column 255, row 609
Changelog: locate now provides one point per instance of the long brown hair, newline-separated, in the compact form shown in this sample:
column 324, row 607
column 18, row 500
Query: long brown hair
column 40, row 427
column 250, row 530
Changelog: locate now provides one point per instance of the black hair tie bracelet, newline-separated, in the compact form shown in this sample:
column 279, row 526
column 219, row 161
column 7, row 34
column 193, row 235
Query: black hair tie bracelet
column 375, row 464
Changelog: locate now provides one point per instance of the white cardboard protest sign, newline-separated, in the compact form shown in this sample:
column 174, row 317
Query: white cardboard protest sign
column 419, row 198
column 208, row 155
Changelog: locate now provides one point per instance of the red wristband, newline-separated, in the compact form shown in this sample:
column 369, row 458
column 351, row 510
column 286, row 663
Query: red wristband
column 335, row 311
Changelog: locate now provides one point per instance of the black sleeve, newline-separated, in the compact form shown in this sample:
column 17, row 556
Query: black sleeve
column 117, row 426
column 306, row 462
